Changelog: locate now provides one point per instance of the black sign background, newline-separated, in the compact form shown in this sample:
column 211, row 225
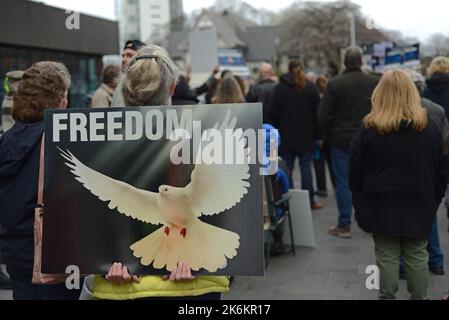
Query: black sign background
column 79, row 229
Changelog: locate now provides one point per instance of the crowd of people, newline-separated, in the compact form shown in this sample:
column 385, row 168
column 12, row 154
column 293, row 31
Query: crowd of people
column 384, row 139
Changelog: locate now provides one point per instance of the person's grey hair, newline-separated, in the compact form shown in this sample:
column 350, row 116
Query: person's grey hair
column 150, row 77
column 418, row 79
column 353, row 57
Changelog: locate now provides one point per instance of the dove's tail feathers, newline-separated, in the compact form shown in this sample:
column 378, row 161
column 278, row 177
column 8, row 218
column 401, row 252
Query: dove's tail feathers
column 208, row 247
column 203, row 247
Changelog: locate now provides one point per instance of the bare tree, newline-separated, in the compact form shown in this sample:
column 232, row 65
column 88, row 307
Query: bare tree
column 437, row 45
column 259, row 15
column 319, row 31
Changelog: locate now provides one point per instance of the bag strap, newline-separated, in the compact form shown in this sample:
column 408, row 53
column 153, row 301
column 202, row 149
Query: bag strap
column 40, row 189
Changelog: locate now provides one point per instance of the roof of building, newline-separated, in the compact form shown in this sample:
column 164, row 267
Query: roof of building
column 32, row 24
column 233, row 31
column 225, row 26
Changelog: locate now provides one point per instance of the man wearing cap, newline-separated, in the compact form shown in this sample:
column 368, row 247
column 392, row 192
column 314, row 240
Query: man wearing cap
column 129, row 51
column 12, row 81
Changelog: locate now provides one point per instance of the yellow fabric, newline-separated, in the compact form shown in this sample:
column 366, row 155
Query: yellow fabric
column 156, row 287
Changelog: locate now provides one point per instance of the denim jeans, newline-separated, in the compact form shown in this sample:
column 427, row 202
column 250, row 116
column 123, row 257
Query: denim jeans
column 446, row 200
column 23, row 289
column 436, row 257
column 340, row 166
column 305, row 165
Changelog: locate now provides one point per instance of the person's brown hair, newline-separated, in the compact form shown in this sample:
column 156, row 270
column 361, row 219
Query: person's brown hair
column 43, row 87
column 241, row 83
column 229, row 91
column 111, row 75
column 296, row 68
column 321, row 83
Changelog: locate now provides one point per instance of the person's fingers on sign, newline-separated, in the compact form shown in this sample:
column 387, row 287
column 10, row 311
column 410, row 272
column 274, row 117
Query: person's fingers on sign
column 181, row 273
column 119, row 274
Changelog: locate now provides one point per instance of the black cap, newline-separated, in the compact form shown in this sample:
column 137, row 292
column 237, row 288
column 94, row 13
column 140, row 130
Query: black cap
column 134, row 45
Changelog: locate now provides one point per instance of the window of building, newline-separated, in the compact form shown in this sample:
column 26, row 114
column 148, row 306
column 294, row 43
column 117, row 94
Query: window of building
column 84, row 69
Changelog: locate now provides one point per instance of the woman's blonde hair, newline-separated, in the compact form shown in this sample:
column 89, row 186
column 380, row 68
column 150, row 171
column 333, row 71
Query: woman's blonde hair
column 394, row 100
column 439, row 65
column 150, row 77
column 229, row 91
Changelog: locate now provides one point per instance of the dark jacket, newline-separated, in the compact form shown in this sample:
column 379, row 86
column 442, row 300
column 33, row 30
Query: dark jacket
column 262, row 92
column 438, row 90
column 398, row 180
column 346, row 101
column 19, row 173
column 294, row 114
column 184, row 95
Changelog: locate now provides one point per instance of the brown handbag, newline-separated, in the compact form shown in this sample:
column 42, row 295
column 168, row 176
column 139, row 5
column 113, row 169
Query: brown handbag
column 38, row 277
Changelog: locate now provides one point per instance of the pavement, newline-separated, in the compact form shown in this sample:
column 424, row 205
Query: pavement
column 334, row 270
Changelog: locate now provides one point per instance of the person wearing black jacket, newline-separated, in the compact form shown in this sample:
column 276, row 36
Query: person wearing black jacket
column 345, row 103
column 293, row 111
column 438, row 84
column 263, row 90
column 398, row 175
column 438, row 114
column 185, row 95
column 44, row 86
column 438, row 91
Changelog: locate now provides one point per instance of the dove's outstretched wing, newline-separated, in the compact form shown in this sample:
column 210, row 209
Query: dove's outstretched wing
column 219, row 187
column 133, row 202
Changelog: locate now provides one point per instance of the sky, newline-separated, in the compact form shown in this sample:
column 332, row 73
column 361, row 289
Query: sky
column 412, row 18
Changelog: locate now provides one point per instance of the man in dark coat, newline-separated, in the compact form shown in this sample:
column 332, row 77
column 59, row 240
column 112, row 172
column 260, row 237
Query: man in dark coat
column 263, row 90
column 293, row 111
column 345, row 103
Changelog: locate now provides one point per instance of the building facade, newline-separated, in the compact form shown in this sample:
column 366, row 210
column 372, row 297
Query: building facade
column 149, row 20
column 33, row 32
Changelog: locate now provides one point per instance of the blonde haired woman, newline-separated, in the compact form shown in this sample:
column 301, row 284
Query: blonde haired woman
column 438, row 83
column 438, row 92
column 151, row 81
column 398, row 175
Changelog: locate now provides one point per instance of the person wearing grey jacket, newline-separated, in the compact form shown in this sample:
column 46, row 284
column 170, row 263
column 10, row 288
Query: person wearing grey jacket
column 437, row 113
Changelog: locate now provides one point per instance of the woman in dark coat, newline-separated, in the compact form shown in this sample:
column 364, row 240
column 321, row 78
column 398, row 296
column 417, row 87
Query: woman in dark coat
column 438, row 84
column 293, row 111
column 438, row 92
column 398, row 175
column 44, row 86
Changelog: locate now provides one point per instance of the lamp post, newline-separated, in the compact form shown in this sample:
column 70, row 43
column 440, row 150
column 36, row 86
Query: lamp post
column 351, row 17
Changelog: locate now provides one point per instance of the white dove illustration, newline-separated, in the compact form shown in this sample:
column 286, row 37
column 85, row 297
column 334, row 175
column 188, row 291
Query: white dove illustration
column 183, row 237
